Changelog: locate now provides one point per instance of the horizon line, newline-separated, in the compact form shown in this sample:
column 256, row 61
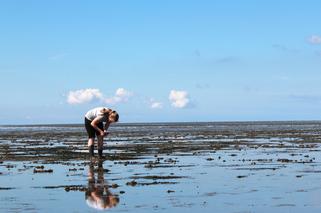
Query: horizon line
column 166, row 122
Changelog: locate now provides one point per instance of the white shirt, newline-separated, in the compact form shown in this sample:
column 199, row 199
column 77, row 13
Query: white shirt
column 96, row 112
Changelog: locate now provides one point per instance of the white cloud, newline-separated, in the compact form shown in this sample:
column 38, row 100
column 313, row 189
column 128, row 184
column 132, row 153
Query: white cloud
column 120, row 96
column 315, row 39
column 89, row 95
column 179, row 99
column 155, row 104
column 84, row 96
column 121, row 92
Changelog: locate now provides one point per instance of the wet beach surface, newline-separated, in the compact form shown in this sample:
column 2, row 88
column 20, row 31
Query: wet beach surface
column 175, row 167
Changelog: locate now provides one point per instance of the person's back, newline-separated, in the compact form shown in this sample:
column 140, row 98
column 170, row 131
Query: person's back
column 94, row 113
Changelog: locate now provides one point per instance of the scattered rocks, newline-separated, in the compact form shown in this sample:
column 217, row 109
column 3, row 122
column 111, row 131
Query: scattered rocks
column 170, row 160
column 210, row 194
column 131, row 183
column 156, row 177
column 114, row 186
column 75, row 188
column 6, row 188
column 10, row 166
column 274, row 147
column 42, row 171
column 149, row 166
column 284, row 160
column 157, row 183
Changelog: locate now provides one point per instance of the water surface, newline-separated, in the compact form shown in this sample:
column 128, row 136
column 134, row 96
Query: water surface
column 174, row 167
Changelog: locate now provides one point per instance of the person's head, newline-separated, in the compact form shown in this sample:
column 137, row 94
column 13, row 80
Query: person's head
column 113, row 117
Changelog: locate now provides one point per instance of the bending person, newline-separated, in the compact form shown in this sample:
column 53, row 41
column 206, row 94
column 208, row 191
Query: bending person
column 94, row 120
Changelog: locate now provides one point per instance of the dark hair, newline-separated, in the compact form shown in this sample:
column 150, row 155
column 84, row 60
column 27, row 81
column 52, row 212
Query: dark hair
column 115, row 115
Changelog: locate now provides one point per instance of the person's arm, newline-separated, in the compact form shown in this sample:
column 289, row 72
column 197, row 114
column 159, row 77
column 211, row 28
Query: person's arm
column 106, row 126
column 94, row 124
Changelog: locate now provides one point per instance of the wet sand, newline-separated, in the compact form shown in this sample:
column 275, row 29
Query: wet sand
column 177, row 167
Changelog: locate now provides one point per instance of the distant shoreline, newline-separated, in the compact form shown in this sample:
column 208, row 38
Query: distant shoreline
column 169, row 123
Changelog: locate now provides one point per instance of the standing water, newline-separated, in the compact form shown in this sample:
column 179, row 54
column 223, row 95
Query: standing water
column 163, row 167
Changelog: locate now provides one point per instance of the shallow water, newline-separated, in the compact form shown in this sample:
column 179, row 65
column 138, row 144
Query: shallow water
column 183, row 167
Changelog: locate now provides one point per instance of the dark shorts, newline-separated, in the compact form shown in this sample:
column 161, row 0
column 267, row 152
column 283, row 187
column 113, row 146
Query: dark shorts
column 90, row 129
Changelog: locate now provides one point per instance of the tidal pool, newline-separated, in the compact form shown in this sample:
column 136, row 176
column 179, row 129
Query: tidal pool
column 205, row 167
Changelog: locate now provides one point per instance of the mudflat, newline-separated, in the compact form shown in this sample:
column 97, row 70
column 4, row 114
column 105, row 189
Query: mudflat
column 168, row 167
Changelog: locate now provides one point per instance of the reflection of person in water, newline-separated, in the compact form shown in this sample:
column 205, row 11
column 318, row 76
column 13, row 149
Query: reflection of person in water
column 97, row 195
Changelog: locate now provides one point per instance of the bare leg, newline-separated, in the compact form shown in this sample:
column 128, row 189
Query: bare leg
column 91, row 146
column 91, row 141
column 100, row 142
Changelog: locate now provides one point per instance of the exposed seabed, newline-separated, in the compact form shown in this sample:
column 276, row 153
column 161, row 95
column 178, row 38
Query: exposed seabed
column 207, row 167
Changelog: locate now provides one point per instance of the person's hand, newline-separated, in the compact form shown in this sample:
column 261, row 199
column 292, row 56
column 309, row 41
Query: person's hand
column 102, row 133
column 106, row 133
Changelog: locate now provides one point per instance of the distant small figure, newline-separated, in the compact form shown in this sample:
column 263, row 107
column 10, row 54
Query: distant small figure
column 97, row 194
column 94, row 120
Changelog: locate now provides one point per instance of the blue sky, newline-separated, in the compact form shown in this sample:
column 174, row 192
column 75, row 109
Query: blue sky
column 160, row 60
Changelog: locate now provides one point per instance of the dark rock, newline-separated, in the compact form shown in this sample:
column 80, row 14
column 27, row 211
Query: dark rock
column 114, row 186
column 131, row 183
column 42, row 171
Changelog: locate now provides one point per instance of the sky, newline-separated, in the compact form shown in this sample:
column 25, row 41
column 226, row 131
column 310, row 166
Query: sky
column 160, row 61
